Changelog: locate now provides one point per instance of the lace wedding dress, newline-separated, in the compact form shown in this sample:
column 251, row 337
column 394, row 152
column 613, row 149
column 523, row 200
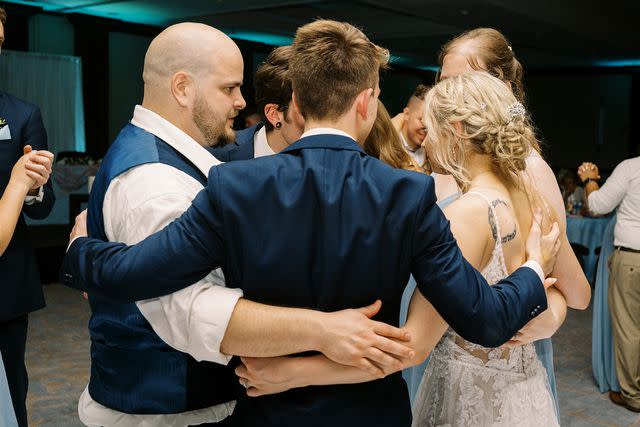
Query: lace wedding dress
column 467, row 385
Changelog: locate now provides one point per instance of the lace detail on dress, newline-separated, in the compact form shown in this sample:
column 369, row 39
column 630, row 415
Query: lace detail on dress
column 468, row 385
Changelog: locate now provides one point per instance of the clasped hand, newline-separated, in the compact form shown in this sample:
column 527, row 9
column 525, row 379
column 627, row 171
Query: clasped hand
column 33, row 169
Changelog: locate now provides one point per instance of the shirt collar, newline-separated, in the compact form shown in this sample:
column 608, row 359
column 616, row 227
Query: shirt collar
column 261, row 145
column 176, row 138
column 325, row 131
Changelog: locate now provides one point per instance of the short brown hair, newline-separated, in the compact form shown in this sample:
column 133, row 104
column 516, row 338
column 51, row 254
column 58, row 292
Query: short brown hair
column 3, row 16
column 384, row 142
column 273, row 85
column 491, row 48
column 332, row 63
column 420, row 91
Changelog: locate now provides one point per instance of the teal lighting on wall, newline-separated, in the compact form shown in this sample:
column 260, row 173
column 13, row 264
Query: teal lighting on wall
column 264, row 38
column 619, row 63
column 408, row 62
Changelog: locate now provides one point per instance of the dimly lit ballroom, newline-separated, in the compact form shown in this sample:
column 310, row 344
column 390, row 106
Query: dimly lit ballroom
column 320, row 213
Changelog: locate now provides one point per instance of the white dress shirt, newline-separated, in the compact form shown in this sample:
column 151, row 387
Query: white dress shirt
column 622, row 190
column 261, row 146
column 138, row 203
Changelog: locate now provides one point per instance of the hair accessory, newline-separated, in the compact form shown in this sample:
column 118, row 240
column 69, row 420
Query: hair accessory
column 278, row 125
column 515, row 110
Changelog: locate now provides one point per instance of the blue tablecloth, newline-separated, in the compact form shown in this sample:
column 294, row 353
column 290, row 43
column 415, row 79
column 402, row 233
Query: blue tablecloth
column 587, row 232
column 602, row 357
column 7, row 415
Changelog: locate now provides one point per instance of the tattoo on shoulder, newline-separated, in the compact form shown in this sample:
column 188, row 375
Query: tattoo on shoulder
column 494, row 226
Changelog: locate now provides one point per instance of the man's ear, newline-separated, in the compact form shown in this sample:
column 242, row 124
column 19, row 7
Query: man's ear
column 182, row 89
column 362, row 102
column 272, row 114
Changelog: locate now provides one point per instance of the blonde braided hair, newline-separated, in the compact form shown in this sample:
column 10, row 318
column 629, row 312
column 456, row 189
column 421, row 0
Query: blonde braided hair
column 478, row 112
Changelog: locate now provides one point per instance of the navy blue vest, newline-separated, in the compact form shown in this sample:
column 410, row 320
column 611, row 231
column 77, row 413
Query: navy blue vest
column 132, row 369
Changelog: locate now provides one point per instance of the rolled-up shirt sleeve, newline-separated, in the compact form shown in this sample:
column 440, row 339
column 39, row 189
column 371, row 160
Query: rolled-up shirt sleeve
column 609, row 196
column 192, row 320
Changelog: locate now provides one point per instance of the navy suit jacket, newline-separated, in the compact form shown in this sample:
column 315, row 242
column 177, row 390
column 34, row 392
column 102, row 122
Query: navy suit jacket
column 21, row 289
column 324, row 226
column 241, row 149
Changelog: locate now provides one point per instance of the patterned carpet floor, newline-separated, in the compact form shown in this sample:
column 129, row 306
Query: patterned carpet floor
column 58, row 364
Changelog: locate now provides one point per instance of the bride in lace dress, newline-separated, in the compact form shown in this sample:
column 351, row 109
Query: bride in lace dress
column 481, row 135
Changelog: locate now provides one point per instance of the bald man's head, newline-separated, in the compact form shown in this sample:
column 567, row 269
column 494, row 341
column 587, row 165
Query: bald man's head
column 187, row 46
column 192, row 77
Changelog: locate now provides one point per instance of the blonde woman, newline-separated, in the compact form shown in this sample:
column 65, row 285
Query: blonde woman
column 483, row 139
column 486, row 49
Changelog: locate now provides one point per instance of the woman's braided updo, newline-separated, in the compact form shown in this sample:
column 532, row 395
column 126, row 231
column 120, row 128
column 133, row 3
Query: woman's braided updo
column 478, row 112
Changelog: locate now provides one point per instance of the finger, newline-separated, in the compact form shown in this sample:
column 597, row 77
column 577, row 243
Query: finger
column 369, row 367
column 49, row 155
column 35, row 176
column 371, row 310
column 35, row 167
column 383, row 360
column 42, row 160
column 555, row 231
column 394, row 348
column 26, row 149
column 537, row 216
column 549, row 281
column 386, row 330
column 241, row 371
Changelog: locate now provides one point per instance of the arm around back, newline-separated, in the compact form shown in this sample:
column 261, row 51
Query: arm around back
column 486, row 315
column 174, row 258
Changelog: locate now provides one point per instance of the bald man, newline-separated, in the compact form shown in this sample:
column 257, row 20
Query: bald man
column 409, row 125
column 162, row 361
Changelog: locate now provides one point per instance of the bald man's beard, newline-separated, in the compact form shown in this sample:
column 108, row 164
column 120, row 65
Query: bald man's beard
column 213, row 128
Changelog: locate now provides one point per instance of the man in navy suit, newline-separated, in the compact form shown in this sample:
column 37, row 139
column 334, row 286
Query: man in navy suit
column 324, row 226
column 20, row 125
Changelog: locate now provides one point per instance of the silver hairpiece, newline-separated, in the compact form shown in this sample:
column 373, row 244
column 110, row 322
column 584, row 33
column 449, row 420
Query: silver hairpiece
column 515, row 110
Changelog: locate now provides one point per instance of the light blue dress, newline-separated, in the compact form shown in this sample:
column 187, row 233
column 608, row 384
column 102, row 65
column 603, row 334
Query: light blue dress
column 7, row 415
column 413, row 376
column 602, row 357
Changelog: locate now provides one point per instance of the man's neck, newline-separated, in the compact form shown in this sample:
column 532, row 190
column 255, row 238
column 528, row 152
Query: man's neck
column 408, row 142
column 276, row 141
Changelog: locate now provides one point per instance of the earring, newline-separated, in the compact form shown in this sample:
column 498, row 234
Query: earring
column 278, row 125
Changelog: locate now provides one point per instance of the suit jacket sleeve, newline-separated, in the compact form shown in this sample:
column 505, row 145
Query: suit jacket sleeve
column 486, row 315
column 172, row 259
column 36, row 136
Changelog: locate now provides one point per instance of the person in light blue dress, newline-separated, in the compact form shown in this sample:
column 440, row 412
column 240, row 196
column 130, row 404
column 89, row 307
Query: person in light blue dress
column 7, row 415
